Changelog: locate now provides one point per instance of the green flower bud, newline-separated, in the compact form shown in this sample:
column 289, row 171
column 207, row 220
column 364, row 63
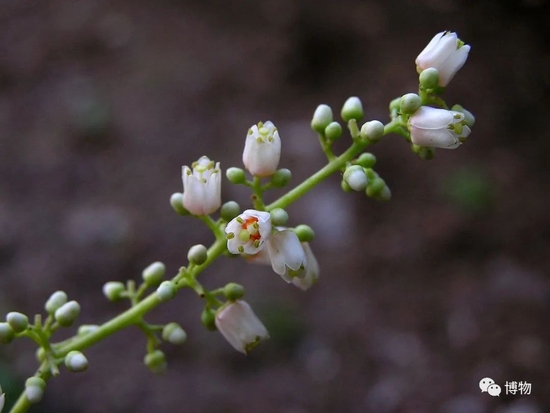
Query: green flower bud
column 173, row 333
column 34, row 389
column 153, row 274
column 410, row 103
column 429, row 78
column 345, row 187
column 197, row 254
column 305, row 233
column 394, row 104
column 385, row 195
column 356, row 178
column 40, row 354
column 279, row 217
column 233, row 291
column 333, row 131
column 6, row 333
column 176, row 200
column 230, row 210
column 366, row 160
column 166, row 291
column 76, row 361
column 469, row 118
column 235, row 175
column 156, row 362
column 375, row 188
column 87, row 329
column 55, row 301
column 17, row 321
column 114, row 290
column 208, row 319
column 373, row 130
column 281, row 178
column 352, row 109
column 321, row 118
column 67, row 314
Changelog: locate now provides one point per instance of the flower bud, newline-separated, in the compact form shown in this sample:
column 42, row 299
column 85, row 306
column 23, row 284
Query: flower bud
column 173, row 333
column 67, row 314
column 385, row 195
column 429, row 78
column 366, row 160
column 305, row 233
column 333, row 131
column 153, row 274
column 233, row 291
column 176, row 200
column 321, row 118
column 375, row 188
column 114, row 290
column 235, row 175
column 17, row 321
column 55, row 301
column 410, row 103
column 352, row 109
column 40, row 354
column 356, row 178
column 87, row 329
column 197, row 254
column 166, row 291
column 6, row 333
column 281, row 178
column 230, row 210
column 373, row 130
column 279, row 217
column 156, row 362
column 208, row 319
column 76, row 361
column 262, row 149
column 34, row 389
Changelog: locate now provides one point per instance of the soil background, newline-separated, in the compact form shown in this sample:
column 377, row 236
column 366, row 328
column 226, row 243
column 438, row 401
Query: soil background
column 102, row 102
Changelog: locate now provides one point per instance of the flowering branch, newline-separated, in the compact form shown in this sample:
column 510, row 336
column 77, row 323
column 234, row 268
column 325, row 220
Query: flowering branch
column 261, row 234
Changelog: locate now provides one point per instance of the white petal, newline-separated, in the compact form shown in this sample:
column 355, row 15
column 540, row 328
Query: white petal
column 286, row 252
column 453, row 64
column 312, row 270
column 436, row 138
column 431, row 118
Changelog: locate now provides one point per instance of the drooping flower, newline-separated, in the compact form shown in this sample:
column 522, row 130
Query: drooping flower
column 446, row 53
column 288, row 258
column 312, row 270
column 248, row 233
column 262, row 149
column 438, row 128
column 240, row 326
column 202, row 187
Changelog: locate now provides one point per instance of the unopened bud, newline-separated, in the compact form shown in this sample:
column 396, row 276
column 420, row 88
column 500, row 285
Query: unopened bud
column 356, row 178
column 375, row 188
column 6, row 333
column 304, row 232
column 34, row 389
column 156, row 362
column 333, row 131
column 198, row 254
column 410, row 103
column 173, row 333
column 55, row 301
column 233, row 291
column 208, row 319
column 67, row 314
column 429, row 78
column 76, row 361
column 17, row 321
column 352, row 109
column 366, row 160
column 373, row 130
column 176, row 201
column 281, row 178
column 154, row 273
column 166, row 291
column 321, row 118
column 235, row 175
column 279, row 217
column 230, row 210
column 114, row 290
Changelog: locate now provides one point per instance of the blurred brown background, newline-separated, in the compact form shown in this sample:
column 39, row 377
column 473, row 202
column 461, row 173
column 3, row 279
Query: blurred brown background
column 420, row 298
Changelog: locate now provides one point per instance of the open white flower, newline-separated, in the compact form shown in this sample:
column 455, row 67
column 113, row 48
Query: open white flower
column 446, row 53
column 438, row 128
column 312, row 270
column 240, row 326
column 247, row 233
column 288, row 258
column 202, row 187
column 262, row 149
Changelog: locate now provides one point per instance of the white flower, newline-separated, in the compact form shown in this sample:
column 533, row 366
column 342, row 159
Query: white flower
column 202, row 187
column 240, row 326
column 262, row 149
column 288, row 258
column 312, row 270
column 247, row 233
column 438, row 128
column 446, row 53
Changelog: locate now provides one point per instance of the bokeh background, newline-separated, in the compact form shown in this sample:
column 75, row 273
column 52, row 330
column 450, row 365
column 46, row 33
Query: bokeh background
column 101, row 103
